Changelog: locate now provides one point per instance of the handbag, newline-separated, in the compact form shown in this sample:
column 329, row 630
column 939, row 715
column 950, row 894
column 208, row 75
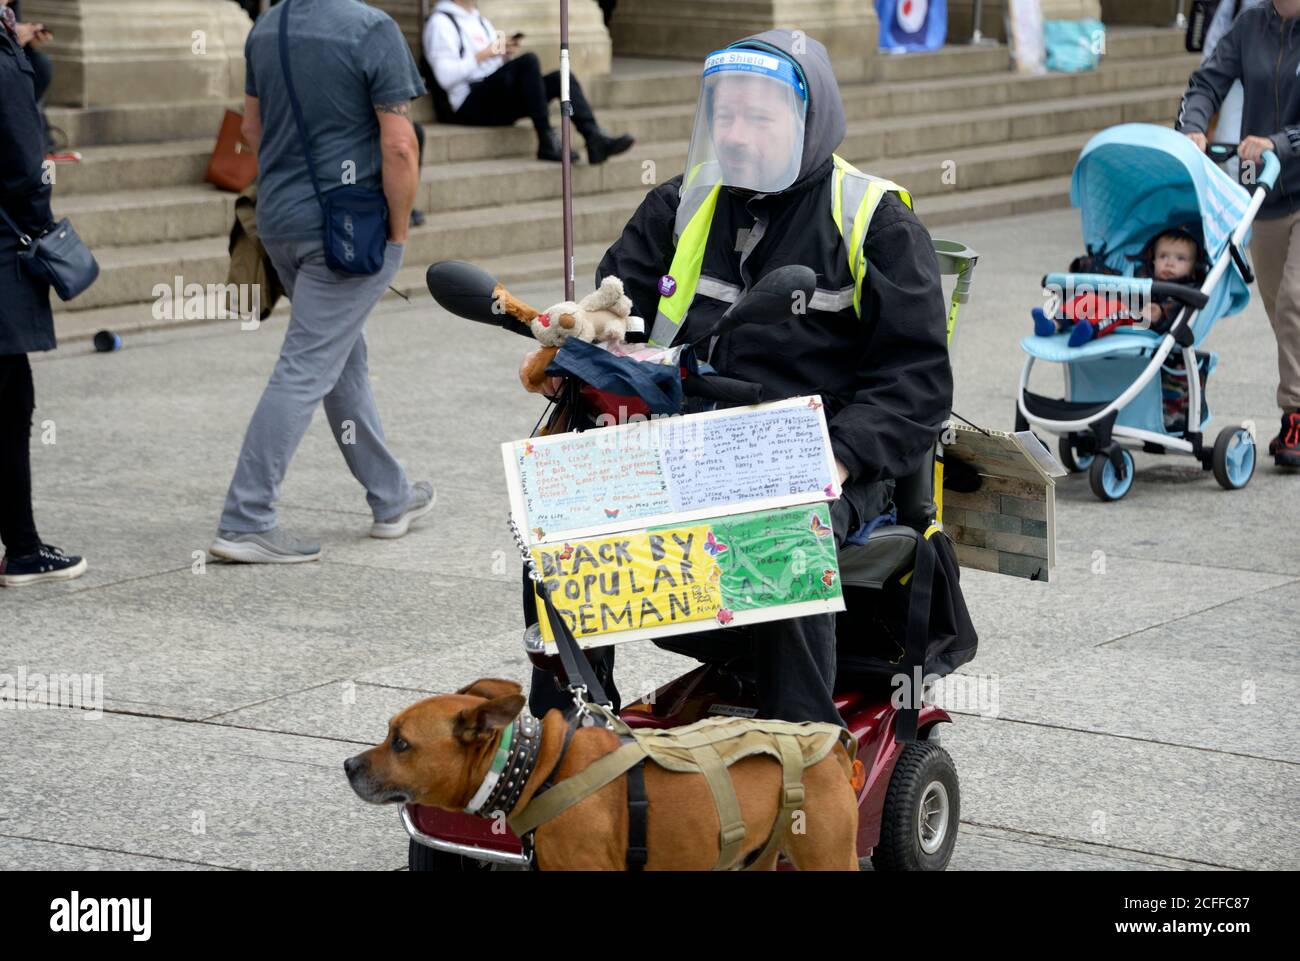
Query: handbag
column 356, row 219
column 58, row 257
column 233, row 166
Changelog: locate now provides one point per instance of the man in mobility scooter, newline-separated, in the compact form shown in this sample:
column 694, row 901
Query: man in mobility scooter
column 763, row 189
column 764, row 195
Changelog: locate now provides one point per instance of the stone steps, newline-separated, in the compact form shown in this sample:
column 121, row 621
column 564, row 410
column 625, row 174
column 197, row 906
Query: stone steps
column 185, row 212
column 129, row 273
column 1004, row 142
column 132, row 164
column 206, row 262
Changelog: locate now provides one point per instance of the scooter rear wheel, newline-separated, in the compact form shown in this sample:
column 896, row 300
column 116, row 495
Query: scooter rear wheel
column 918, row 826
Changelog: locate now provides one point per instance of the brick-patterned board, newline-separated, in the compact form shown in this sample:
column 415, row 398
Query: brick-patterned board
column 1008, row 525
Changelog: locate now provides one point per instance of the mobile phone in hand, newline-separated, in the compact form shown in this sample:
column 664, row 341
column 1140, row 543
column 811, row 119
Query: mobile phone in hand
column 516, row 37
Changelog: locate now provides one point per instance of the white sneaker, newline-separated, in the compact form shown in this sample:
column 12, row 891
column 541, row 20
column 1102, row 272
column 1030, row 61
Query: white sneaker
column 421, row 502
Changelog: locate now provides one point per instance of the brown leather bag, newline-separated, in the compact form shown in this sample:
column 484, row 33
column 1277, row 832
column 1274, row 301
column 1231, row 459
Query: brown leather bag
column 233, row 165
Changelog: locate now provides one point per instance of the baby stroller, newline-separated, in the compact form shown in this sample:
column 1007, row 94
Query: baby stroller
column 1132, row 182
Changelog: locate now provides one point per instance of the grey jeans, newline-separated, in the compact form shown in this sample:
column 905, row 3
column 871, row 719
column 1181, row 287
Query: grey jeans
column 323, row 359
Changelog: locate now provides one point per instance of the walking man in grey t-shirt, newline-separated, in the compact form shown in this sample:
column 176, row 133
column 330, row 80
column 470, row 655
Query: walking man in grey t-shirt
column 355, row 78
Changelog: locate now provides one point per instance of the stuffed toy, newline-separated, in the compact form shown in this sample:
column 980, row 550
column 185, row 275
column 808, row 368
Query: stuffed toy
column 602, row 317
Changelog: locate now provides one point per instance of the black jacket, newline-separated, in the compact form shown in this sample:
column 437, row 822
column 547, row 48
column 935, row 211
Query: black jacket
column 1262, row 51
column 26, row 323
column 885, row 378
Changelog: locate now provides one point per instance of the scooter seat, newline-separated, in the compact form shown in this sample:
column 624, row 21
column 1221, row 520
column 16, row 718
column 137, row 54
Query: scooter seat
column 888, row 552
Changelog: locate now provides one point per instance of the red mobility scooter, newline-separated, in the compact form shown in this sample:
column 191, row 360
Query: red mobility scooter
column 896, row 630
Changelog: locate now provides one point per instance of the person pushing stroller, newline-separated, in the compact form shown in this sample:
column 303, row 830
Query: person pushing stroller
column 1262, row 52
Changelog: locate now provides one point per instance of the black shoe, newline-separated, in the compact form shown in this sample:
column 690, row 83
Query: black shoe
column 417, row 218
column 548, row 147
column 601, row 146
column 1285, row 447
column 46, row 563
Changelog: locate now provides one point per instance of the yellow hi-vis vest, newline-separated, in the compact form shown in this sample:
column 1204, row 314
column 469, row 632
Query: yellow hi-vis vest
column 853, row 192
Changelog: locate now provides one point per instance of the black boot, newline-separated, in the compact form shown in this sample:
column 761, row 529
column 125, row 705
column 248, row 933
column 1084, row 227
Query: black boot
column 549, row 147
column 601, row 146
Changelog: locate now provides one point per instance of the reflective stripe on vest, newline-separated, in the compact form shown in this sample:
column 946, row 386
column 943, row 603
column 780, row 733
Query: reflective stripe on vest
column 853, row 191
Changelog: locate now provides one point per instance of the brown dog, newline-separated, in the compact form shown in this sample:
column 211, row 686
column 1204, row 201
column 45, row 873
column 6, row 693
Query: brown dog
column 438, row 752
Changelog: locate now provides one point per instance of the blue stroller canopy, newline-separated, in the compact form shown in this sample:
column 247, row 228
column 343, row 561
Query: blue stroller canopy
column 1135, row 180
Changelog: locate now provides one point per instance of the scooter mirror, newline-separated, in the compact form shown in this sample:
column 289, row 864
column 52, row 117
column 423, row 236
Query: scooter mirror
column 784, row 293
column 466, row 291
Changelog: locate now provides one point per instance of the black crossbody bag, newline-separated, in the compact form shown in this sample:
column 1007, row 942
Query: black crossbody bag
column 356, row 219
column 58, row 257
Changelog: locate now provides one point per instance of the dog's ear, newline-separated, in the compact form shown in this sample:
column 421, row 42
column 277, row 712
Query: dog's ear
column 482, row 719
column 491, row 687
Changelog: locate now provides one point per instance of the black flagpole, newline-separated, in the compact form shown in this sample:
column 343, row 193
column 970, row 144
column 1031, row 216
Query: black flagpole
column 566, row 111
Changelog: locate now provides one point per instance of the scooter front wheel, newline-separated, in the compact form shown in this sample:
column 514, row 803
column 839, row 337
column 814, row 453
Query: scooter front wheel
column 918, row 826
column 421, row 857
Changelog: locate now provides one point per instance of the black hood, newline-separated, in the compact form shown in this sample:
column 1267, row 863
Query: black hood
column 824, row 122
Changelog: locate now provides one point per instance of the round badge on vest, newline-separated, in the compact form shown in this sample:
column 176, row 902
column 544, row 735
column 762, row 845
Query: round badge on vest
column 667, row 285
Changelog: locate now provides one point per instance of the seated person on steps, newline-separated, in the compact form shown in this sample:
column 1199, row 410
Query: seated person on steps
column 480, row 79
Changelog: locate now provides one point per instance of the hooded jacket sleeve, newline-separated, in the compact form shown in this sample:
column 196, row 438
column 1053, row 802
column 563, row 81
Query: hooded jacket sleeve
column 644, row 251
column 1210, row 83
column 905, row 385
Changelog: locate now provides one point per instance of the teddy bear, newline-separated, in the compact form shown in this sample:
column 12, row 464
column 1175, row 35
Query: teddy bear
column 604, row 316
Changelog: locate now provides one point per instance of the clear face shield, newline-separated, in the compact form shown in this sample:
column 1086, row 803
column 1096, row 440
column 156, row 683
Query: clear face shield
column 749, row 124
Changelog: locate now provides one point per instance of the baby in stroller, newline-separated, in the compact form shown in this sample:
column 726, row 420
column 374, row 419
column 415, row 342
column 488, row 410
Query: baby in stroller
column 1173, row 256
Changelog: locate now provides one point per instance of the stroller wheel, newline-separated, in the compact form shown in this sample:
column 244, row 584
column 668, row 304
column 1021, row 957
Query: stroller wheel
column 1074, row 463
column 1105, row 480
column 1234, row 458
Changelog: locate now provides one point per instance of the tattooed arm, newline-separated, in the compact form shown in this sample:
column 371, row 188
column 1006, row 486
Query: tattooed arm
column 401, row 170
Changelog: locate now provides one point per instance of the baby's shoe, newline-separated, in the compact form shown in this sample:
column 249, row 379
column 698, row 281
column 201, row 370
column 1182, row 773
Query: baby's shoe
column 1082, row 333
column 1044, row 326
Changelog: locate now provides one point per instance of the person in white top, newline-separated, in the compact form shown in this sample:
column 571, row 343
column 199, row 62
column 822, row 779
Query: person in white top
column 482, row 80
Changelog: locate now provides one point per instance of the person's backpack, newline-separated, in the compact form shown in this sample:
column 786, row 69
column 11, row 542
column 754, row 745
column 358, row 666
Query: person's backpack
column 441, row 103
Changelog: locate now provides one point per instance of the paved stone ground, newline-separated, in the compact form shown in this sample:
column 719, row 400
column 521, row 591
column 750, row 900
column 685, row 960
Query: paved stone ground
column 1142, row 712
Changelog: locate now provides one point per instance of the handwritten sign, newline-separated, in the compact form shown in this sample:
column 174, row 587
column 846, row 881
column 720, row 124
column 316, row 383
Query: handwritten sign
column 671, row 470
column 726, row 572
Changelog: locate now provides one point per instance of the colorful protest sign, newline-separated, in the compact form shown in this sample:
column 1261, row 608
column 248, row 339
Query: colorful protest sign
column 725, row 572
column 670, row 470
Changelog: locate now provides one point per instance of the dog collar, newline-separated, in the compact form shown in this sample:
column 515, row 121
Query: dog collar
column 511, row 766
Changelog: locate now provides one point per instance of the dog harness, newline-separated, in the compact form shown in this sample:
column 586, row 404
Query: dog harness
column 708, row 748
